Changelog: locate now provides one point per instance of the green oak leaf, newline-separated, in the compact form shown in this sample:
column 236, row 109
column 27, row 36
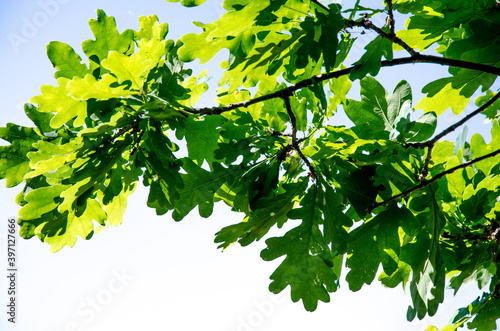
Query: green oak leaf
column 415, row 38
column 440, row 98
column 399, row 276
column 262, row 182
column 459, row 88
column 120, row 119
column 41, row 120
column 128, row 72
column 395, row 101
column 90, row 173
column 274, row 112
column 435, row 26
column 480, row 148
column 369, row 63
column 60, row 213
column 369, row 114
column 397, row 174
column 402, row 123
column 56, row 99
column 214, row 37
column 335, row 221
column 479, row 258
column 378, row 112
column 423, row 128
column 202, row 137
column 441, row 152
column 266, row 62
column 162, row 110
column 64, row 58
column 91, row 88
column 426, row 286
column 456, row 182
column 259, row 50
column 14, row 163
column 168, row 81
column 162, row 167
column 359, row 188
column 307, row 268
column 107, row 38
column 146, row 30
column 189, row 3
column 486, row 317
column 50, row 156
column 331, row 25
column 373, row 243
column 200, row 187
column 269, row 212
column 115, row 208
column 133, row 68
column 338, row 87
column 493, row 111
column 477, row 201
column 76, row 226
column 41, row 201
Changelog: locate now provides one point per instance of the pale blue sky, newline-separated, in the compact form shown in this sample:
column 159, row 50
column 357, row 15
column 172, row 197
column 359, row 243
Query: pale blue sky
column 151, row 273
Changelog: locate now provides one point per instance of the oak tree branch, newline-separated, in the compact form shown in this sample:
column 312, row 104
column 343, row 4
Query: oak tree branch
column 453, row 127
column 418, row 58
column 426, row 183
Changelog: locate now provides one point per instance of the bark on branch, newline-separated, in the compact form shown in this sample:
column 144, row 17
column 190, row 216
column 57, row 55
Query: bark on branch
column 295, row 143
column 426, row 183
column 418, row 58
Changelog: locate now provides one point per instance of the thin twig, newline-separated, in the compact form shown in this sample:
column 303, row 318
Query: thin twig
column 367, row 24
column 466, row 236
column 390, row 20
column 426, row 183
column 295, row 144
column 430, row 143
column 454, row 126
column 465, row 119
column 291, row 115
column 425, row 169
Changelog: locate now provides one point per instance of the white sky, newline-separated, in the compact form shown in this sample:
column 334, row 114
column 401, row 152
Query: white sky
column 152, row 273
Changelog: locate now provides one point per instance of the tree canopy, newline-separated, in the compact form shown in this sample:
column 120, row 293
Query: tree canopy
column 387, row 197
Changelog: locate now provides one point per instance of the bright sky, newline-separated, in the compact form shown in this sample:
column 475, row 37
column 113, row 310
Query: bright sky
column 152, row 273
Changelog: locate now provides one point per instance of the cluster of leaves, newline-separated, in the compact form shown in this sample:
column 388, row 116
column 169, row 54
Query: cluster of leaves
column 387, row 197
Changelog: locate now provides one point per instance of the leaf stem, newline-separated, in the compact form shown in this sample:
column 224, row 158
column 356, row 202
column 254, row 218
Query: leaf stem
column 425, row 169
column 320, row 5
column 355, row 9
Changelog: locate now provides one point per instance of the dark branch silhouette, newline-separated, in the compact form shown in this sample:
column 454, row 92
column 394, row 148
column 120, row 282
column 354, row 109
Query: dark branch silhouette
column 426, row 183
column 418, row 58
